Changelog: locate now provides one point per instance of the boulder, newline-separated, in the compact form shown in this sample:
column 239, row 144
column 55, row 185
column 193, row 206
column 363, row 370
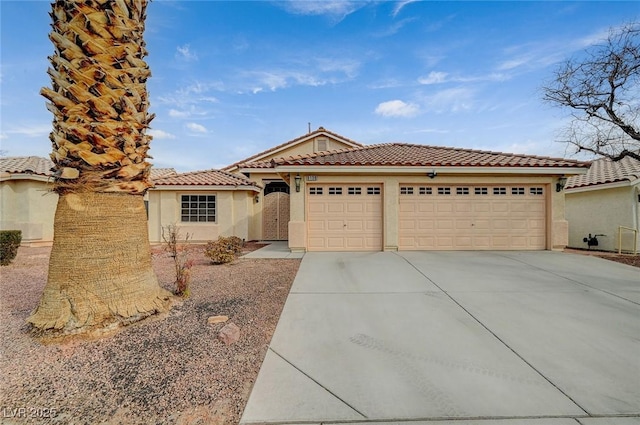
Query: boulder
column 229, row 334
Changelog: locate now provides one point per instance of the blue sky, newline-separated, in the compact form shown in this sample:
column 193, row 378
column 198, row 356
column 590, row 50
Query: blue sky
column 232, row 78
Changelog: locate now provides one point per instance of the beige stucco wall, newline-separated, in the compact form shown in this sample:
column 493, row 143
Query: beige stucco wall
column 29, row 206
column 233, row 212
column 557, row 235
column 601, row 212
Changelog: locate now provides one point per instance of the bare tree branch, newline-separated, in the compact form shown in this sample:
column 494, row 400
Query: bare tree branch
column 602, row 91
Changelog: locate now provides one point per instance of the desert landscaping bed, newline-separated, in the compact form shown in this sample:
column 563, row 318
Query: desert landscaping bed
column 167, row 370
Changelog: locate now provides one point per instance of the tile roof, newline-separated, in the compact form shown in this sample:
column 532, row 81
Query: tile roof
column 26, row 165
column 157, row 173
column 605, row 170
column 321, row 130
column 204, row 178
column 403, row 154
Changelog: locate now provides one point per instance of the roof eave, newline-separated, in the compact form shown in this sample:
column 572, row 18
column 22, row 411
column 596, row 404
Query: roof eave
column 603, row 186
column 368, row 169
column 25, row 176
column 177, row 187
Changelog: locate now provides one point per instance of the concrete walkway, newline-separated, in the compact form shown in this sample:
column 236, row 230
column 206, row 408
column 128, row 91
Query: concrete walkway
column 277, row 249
column 451, row 338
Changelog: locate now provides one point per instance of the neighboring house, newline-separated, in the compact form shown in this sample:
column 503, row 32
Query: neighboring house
column 27, row 202
column 601, row 201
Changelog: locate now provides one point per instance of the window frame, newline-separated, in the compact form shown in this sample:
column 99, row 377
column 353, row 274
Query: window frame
column 209, row 198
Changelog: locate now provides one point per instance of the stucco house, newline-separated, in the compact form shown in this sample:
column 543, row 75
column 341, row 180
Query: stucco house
column 602, row 200
column 323, row 191
column 27, row 202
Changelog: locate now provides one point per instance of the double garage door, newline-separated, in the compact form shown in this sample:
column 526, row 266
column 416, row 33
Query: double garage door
column 472, row 217
column 447, row 217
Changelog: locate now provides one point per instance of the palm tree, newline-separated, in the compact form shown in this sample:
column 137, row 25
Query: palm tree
column 100, row 270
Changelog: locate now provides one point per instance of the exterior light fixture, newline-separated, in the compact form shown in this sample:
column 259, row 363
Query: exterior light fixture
column 297, row 180
column 432, row 174
column 256, row 199
column 562, row 181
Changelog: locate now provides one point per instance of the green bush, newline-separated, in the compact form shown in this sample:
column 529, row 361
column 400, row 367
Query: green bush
column 9, row 243
column 224, row 250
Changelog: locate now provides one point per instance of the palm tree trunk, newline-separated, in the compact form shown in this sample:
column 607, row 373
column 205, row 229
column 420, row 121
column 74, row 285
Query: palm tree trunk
column 100, row 270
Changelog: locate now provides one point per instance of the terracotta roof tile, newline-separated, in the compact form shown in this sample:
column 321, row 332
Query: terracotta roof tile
column 403, row 154
column 605, row 170
column 26, row 165
column 252, row 159
column 203, row 178
column 157, row 173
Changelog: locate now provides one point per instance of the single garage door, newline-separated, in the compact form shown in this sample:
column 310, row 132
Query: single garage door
column 344, row 217
column 510, row 217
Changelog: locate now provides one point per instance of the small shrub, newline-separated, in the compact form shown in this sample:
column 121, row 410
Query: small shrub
column 180, row 255
column 224, row 250
column 9, row 242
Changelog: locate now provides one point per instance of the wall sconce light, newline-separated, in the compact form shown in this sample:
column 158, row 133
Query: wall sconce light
column 297, row 180
column 562, row 181
column 256, row 199
column 432, row 174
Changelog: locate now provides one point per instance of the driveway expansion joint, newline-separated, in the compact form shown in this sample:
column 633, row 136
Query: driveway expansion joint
column 343, row 401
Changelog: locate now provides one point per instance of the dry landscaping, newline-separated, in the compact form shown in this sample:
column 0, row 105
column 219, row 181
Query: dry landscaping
column 173, row 369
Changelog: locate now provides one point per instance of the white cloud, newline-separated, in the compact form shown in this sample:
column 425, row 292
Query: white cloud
column 437, row 77
column 400, row 5
column 3, row 136
column 174, row 113
column 335, row 9
column 196, row 128
column 450, row 100
column 434, row 77
column 184, row 52
column 160, row 134
column 397, row 108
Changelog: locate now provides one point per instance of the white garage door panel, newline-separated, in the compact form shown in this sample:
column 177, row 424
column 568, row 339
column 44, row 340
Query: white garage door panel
column 344, row 217
column 470, row 217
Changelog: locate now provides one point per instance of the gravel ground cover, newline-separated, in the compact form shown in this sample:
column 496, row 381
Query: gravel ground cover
column 166, row 370
column 629, row 259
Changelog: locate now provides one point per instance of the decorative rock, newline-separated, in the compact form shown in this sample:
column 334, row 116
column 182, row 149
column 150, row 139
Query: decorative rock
column 217, row 319
column 229, row 334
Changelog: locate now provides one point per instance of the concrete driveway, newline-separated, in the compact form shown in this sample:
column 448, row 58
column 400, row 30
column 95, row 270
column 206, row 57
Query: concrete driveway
column 458, row 337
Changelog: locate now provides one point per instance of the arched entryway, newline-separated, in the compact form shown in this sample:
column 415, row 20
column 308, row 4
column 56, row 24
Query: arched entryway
column 275, row 212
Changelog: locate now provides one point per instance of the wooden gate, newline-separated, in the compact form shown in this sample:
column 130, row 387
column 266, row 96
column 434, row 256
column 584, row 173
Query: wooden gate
column 275, row 217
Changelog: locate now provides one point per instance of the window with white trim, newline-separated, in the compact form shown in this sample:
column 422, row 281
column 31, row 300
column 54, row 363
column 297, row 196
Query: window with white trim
column 198, row 208
column 426, row 190
column 315, row 190
column 444, row 191
column 536, row 191
column 499, row 190
column 517, row 190
column 335, row 191
column 481, row 190
column 354, row 191
column 462, row 190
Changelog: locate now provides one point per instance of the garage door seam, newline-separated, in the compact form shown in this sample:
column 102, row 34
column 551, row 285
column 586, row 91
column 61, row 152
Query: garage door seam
column 568, row 278
column 318, row 383
column 495, row 335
